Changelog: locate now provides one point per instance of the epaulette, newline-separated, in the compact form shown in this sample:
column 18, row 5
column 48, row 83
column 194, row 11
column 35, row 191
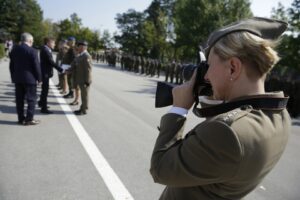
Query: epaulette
column 233, row 115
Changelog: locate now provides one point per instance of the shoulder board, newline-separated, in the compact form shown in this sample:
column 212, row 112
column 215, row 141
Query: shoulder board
column 233, row 115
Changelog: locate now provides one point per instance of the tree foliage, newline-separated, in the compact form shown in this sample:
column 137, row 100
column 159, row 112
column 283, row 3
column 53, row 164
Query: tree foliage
column 130, row 24
column 73, row 27
column 178, row 26
column 195, row 20
column 18, row 16
column 290, row 44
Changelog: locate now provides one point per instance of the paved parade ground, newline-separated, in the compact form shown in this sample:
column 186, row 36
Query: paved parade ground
column 105, row 154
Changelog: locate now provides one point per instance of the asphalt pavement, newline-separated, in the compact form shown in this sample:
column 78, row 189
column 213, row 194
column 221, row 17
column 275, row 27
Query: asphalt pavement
column 59, row 158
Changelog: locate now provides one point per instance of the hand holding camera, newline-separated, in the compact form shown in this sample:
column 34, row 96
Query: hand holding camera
column 183, row 94
column 195, row 85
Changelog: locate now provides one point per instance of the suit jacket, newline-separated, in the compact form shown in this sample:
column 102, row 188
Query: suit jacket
column 24, row 65
column 224, row 157
column 82, row 68
column 47, row 63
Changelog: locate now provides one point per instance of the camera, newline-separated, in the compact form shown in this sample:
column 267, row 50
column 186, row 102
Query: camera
column 164, row 95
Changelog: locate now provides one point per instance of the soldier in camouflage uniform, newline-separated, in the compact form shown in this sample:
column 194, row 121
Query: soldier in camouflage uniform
column 68, row 59
column 62, row 49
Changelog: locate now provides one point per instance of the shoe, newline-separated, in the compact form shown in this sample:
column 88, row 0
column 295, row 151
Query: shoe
column 74, row 103
column 21, row 122
column 46, row 111
column 31, row 122
column 79, row 112
column 70, row 95
column 40, row 105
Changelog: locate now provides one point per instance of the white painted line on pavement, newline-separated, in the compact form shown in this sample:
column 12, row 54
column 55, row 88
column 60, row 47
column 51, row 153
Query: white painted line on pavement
column 263, row 188
column 111, row 179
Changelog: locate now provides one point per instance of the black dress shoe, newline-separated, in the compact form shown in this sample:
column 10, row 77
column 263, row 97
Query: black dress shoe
column 21, row 122
column 46, row 111
column 31, row 122
column 79, row 112
column 40, row 105
column 70, row 95
column 74, row 103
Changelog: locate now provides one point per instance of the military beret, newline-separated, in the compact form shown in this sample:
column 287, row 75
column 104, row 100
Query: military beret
column 71, row 38
column 262, row 27
column 84, row 43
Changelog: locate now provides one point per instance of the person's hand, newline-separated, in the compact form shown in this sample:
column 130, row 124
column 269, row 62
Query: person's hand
column 183, row 94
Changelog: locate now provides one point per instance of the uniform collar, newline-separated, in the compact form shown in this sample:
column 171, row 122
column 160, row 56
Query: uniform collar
column 82, row 53
column 268, row 101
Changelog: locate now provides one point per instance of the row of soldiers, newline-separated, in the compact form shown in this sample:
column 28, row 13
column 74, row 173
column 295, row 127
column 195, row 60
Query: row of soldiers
column 152, row 67
column 142, row 65
column 173, row 74
column 110, row 57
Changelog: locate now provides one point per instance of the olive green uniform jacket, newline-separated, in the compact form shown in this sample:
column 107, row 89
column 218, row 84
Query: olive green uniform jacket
column 224, row 157
column 82, row 68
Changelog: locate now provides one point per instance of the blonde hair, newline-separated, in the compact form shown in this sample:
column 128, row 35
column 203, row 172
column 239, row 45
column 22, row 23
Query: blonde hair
column 250, row 49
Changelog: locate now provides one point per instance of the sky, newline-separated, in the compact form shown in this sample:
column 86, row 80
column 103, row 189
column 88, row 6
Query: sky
column 100, row 14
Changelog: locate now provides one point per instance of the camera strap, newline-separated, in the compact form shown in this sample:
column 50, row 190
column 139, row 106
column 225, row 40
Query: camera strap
column 263, row 103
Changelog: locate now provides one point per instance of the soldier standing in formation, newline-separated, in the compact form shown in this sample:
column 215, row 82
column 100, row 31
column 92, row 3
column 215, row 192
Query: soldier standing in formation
column 67, row 60
column 82, row 68
column 61, row 77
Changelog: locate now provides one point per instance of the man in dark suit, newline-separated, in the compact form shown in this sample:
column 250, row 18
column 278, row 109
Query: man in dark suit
column 47, row 64
column 25, row 73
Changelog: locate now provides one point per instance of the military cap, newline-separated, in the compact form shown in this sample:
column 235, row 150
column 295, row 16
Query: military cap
column 262, row 27
column 71, row 38
column 84, row 43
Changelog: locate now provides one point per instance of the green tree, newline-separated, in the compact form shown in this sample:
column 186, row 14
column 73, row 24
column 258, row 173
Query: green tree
column 49, row 28
column 18, row 16
column 73, row 27
column 196, row 19
column 130, row 25
column 70, row 27
column 289, row 48
column 107, row 39
column 155, row 15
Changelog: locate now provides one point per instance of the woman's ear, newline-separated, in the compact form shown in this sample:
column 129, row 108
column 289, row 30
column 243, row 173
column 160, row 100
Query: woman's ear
column 235, row 68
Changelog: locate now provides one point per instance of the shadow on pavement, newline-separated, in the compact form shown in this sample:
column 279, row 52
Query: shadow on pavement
column 296, row 123
column 11, row 123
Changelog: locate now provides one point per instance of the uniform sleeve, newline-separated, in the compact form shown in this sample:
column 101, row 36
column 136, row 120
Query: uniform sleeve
column 88, row 69
column 51, row 62
column 209, row 154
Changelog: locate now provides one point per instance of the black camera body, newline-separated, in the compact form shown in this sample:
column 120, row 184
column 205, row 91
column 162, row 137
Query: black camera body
column 164, row 95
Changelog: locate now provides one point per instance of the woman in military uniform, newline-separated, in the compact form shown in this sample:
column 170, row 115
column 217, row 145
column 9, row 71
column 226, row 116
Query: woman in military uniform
column 243, row 137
